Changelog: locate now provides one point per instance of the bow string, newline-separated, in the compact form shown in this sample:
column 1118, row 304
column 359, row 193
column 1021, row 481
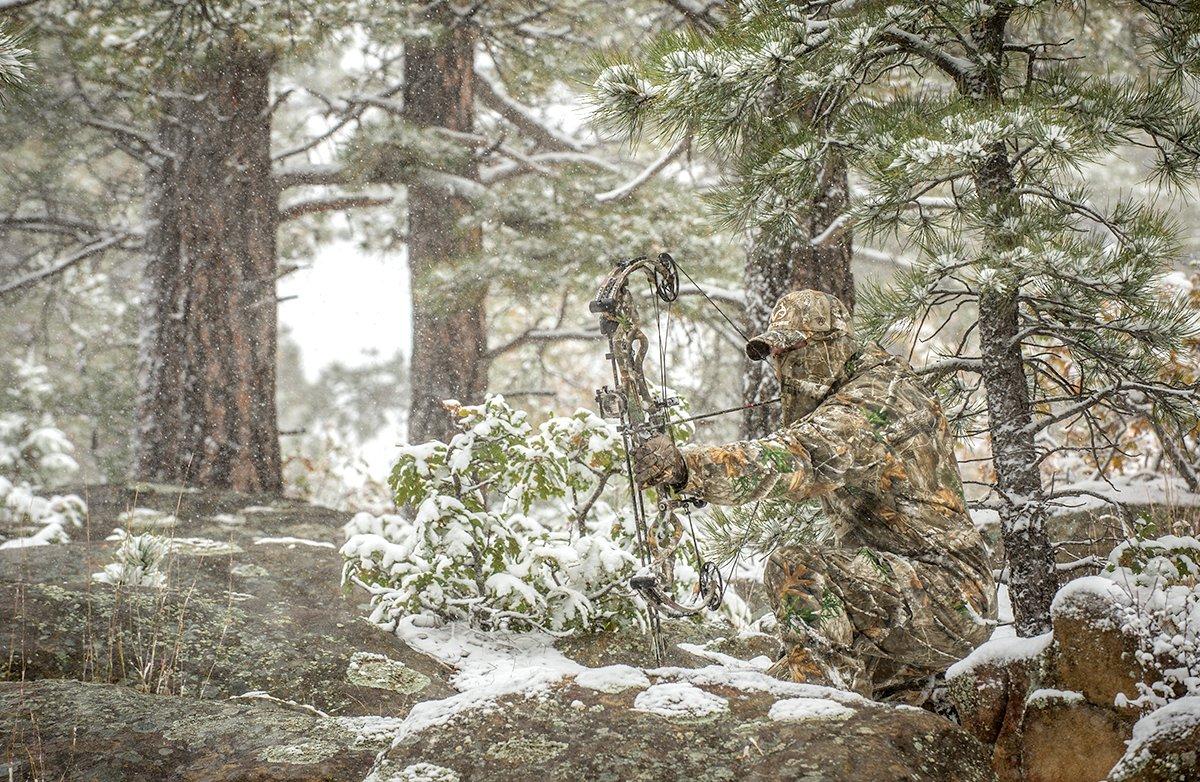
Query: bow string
column 642, row 415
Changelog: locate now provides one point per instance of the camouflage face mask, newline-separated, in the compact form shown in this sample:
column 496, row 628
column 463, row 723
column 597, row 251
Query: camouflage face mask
column 806, row 375
column 809, row 339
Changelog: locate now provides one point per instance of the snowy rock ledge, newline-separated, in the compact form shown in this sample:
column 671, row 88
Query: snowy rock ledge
column 712, row 724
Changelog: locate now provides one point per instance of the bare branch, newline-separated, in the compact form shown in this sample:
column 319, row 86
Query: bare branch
column 544, row 335
column 627, row 189
column 309, row 206
column 492, row 94
column 66, row 263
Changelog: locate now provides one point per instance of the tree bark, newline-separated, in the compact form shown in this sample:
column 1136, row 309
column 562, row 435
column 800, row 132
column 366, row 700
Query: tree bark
column 1032, row 578
column 449, row 357
column 206, row 404
column 775, row 267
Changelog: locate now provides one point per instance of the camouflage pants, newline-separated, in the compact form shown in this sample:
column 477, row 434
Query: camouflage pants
column 871, row 621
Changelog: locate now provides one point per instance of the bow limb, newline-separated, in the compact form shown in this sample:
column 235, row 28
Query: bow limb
column 642, row 416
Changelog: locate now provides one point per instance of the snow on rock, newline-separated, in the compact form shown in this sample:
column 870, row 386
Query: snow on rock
column 809, row 709
column 1174, row 722
column 147, row 519
column 1001, row 651
column 759, row 663
column 1070, row 594
column 679, row 699
column 1129, row 491
column 416, row 772
column 613, row 678
column 750, row 680
column 489, row 666
column 291, row 542
column 1047, row 694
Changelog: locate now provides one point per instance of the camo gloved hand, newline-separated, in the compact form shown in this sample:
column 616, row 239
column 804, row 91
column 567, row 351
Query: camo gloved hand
column 657, row 462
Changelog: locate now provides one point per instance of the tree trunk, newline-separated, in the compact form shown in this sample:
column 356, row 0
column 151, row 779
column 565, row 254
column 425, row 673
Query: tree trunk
column 449, row 358
column 1032, row 578
column 775, row 267
column 206, row 402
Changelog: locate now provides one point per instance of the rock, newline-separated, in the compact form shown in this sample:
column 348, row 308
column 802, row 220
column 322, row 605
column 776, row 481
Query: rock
column 1067, row 739
column 1165, row 745
column 269, row 617
column 989, row 691
column 100, row 732
column 1093, row 655
column 683, row 726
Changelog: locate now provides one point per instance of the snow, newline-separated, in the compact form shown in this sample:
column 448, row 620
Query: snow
column 679, row 699
column 1047, row 694
column 613, row 678
column 759, row 663
column 753, row 680
column 809, row 709
column 291, row 542
column 1165, row 491
column 489, row 666
column 1093, row 586
column 1172, row 721
column 1001, row 651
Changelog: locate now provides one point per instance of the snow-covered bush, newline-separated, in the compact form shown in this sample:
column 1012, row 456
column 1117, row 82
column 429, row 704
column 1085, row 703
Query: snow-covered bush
column 1156, row 583
column 507, row 530
column 34, row 453
column 138, row 561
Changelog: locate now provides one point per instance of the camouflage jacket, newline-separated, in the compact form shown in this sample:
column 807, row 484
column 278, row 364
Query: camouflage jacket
column 875, row 451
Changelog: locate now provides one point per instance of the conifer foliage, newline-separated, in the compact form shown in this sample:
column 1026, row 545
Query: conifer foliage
column 969, row 127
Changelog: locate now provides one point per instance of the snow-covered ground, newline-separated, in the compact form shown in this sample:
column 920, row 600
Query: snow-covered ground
column 490, row 666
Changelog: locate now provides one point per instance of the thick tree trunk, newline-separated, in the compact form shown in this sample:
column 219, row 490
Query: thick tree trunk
column 775, row 267
column 206, row 403
column 449, row 358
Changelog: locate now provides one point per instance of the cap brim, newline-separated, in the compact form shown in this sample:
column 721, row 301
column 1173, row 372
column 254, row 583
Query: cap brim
column 760, row 347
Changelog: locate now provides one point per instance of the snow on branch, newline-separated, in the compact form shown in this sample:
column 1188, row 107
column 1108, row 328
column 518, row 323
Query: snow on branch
column 544, row 335
column 625, row 190
column 704, row 15
column 492, row 94
column 340, row 174
column 13, row 5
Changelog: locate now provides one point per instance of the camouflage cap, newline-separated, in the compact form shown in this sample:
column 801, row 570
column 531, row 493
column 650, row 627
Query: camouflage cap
column 800, row 317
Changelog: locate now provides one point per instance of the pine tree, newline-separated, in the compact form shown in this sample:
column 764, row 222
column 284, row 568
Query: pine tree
column 682, row 91
column 139, row 140
column 972, row 132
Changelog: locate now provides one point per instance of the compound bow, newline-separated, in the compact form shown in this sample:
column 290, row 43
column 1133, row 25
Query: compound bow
column 642, row 415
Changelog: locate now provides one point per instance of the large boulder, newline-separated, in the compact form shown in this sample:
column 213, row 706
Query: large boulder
column 679, row 724
column 1095, row 655
column 252, row 602
column 989, row 690
column 1067, row 739
column 106, row 733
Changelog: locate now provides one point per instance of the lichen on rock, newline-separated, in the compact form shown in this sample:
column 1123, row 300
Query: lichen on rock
column 304, row 753
column 367, row 669
column 530, row 750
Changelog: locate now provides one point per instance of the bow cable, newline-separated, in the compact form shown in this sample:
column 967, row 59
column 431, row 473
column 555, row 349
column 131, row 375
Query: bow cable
column 643, row 415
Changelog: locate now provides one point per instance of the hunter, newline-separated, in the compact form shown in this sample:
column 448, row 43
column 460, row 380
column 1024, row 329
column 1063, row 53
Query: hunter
column 901, row 587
